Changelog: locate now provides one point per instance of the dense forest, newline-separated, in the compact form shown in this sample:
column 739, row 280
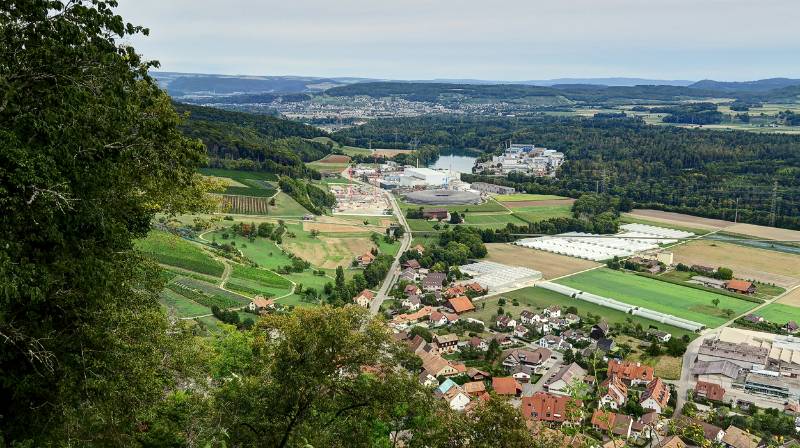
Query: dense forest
column 246, row 141
column 701, row 172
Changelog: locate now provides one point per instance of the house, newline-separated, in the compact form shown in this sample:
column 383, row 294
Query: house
column 456, row 398
column 752, row 318
column 402, row 319
column 526, row 317
column 613, row 393
column 522, row 374
column 738, row 438
column 572, row 319
column 365, row 259
column 559, row 382
column 411, row 302
column 503, row 339
column 605, row 345
column 520, row 331
column 506, row 386
column 411, row 289
column 364, row 298
column 656, row 396
column 478, row 343
column 435, row 213
column 411, row 264
column 619, row 424
column 438, row 366
column 532, row 358
column 419, row 248
column 408, row 275
column 427, row 380
column 447, row 343
column 460, row 304
column 646, row 426
column 454, row 291
column 631, row 373
column 791, row 327
column 557, row 323
column 438, row 318
column 709, row 391
column 477, row 375
column 671, row 442
column 575, row 336
column 708, row 282
column 660, row 336
column 710, row 432
column 259, row 304
column 446, row 385
column 474, row 388
column 740, row 286
column 476, row 288
column 599, row 330
column 553, row 311
column 546, row 407
column 433, row 281
column 505, row 322
column 554, row 342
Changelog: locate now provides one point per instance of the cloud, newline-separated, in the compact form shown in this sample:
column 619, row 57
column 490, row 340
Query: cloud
column 504, row 40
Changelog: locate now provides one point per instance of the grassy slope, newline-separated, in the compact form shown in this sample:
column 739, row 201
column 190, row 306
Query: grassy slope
column 174, row 251
column 677, row 300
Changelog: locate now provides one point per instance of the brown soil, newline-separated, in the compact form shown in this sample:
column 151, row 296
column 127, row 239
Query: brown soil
column 763, row 265
column 550, row 265
column 517, row 204
column 771, row 233
column 679, row 218
column 793, row 298
column 391, row 152
column 335, row 158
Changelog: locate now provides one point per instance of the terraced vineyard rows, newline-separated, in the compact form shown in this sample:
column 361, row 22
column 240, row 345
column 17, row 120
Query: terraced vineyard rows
column 245, row 205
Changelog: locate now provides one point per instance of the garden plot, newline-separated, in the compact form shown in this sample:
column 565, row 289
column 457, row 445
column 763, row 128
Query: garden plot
column 634, row 238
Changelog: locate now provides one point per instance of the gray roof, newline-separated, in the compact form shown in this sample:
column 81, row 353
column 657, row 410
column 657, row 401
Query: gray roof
column 721, row 367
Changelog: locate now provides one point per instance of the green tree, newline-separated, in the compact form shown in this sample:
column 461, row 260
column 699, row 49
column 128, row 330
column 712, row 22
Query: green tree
column 90, row 152
column 715, row 302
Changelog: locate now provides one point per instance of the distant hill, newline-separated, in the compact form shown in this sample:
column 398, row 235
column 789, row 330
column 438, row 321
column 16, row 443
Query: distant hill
column 187, row 84
column 761, row 85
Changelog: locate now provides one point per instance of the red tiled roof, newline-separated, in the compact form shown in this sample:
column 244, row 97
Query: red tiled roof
column 506, row 386
column 461, row 304
column 658, row 391
column 630, row 371
column 710, row 391
column 367, row 293
column 546, row 407
column 738, row 285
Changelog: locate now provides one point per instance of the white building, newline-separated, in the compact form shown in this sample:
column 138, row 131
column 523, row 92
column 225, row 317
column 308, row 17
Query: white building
column 524, row 158
column 413, row 177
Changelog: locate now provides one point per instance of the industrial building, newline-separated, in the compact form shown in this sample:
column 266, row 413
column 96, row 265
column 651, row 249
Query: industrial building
column 423, row 177
column 524, row 158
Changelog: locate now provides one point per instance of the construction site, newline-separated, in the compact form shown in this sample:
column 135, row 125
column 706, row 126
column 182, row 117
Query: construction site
column 360, row 199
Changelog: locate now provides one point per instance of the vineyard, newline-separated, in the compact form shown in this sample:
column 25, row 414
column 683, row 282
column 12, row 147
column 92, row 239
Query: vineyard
column 245, row 205
column 174, row 251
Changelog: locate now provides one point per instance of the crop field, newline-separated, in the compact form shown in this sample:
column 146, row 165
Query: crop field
column 765, row 266
column 182, row 306
column 626, row 218
column 488, row 207
column 791, row 298
column 212, row 290
column 260, row 277
column 779, row 313
column 238, row 176
column 329, row 251
column 680, row 301
column 549, row 264
column 492, row 221
column 523, row 197
column 199, row 296
column 245, row 205
column 286, row 206
column 174, row 251
column 539, row 298
column 247, row 191
column 678, row 219
column 534, row 213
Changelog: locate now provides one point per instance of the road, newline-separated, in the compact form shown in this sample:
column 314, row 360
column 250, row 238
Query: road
column 394, row 270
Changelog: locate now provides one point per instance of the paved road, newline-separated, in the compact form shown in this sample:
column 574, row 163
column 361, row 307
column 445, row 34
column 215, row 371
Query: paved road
column 394, row 270
column 552, row 367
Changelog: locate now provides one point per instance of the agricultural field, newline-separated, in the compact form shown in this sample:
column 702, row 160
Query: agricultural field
column 172, row 250
column 680, row 301
column 492, row 221
column 677, row 219
column 487, row 207
column 244, row 205
column 182, row 306
column 538, row 298
column 764, row 291
column 765, row 266
column 286, row 206
column 253, row 281
column 525, row 197
column 665, row 366
column 239, row 176
column 540, row 213
column 549, row 264
column 627, row 218
column 779, row 313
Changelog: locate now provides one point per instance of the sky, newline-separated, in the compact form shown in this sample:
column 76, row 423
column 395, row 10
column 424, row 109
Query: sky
column 512, row 40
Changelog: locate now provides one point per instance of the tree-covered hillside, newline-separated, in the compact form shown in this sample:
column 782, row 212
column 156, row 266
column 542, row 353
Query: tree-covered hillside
column 239, row 140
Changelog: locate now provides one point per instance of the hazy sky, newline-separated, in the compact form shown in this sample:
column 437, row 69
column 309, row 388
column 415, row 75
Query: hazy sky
column 486, row 39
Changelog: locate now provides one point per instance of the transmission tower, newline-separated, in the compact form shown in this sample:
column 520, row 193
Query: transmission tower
column 774, row 207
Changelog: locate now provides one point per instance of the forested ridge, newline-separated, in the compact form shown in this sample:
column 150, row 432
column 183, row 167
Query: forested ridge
column 700, row 172
column 239, row 140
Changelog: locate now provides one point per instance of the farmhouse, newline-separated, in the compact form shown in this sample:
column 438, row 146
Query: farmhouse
column 656, row 396
column 460, row 304
column 365, row 259
column 613, row 393
column 435, row 213
column 506, row 386
column 433, row 281
column 260, row 304
column 630, row 373
column 447, row 343
column 740, row 286
column 619, row 424
column 709, row 391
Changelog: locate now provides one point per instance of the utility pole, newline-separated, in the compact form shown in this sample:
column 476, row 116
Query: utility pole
column 774, row 207
column 736, row 215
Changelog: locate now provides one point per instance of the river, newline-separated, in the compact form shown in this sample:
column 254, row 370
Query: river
column 461, row 164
